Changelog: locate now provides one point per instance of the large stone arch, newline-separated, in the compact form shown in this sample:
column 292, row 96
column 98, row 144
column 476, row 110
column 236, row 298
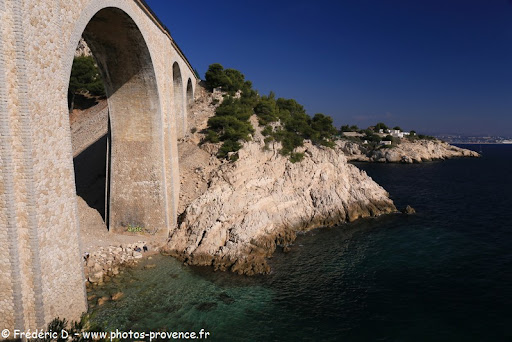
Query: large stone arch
column 190, row 95
column 137, row 195
column 179, row 101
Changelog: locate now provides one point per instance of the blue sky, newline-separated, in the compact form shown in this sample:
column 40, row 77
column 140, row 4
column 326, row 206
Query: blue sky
column 436, row 66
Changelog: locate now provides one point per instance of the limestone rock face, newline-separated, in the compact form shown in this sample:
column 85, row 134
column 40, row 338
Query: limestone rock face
column 82, row 49
column 262, row 201
column 351, row 149
column 406, row 152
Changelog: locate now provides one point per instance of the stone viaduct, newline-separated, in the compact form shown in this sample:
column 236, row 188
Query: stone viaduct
column 148, row 82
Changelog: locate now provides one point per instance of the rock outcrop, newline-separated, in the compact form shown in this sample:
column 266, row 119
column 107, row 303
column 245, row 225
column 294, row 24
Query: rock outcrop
column 263, row 200
column 82, row 49
column 105, row 263
column 406, row 152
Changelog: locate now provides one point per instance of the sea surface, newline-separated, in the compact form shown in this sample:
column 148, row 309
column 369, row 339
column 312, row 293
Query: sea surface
column 444, row 274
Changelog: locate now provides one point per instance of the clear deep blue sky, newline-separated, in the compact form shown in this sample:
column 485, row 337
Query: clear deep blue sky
column 437, row 66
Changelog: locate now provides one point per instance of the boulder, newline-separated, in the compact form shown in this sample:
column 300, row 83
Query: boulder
column 117, row 296
column 103, row 300
column 96, row 277
column 408, row 210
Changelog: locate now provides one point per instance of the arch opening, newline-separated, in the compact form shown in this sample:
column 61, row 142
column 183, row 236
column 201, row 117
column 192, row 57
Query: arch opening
column 122, row 166
column 179, row 107
column 190, row 95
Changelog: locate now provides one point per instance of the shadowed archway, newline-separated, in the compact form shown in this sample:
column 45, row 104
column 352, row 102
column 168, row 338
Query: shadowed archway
column 190, row 94
column 135, row 182
column 179, row 106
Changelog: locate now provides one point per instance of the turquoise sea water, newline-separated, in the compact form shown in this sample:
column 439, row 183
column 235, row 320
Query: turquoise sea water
column 444, row 274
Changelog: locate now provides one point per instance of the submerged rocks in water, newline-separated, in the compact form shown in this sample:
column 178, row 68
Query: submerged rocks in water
column 409, row 210
column 117, row 296
column 225, row 298
column 206, row 306
column 262, row 201
column 103, row 300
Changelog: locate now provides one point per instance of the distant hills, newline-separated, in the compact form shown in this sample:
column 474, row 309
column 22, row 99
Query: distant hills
column 461, row 139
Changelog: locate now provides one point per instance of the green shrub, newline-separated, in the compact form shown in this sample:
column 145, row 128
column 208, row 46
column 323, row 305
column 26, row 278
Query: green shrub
column 289, row 141
column 212, row 136
column 234, row 157
column 266, row 109
column 215, row 77
column 347, row 128
column 236, row 80
column 296, row 157
column 380, row 126
column 231, row 125
column 229, row 80
column 227, row 147
column 322, row 130
column 370, row 136
column 267, row 131
column 134, row 228
column 74, row 330
column 85, row 78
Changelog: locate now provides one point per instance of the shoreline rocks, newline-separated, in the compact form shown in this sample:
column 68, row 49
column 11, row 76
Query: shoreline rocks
column 106, row 262
column 263, row 200
column 407, row 152
column 408, row 210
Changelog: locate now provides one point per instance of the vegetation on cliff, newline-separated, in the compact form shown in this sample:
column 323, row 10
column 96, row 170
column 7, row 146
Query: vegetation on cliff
column 283, row 120
column 85, row 79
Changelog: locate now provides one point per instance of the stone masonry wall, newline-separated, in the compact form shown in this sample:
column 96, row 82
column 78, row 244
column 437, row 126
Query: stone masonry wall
column 41, row 270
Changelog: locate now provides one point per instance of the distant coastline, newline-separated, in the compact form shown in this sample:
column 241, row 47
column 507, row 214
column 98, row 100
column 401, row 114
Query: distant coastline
column 475, row 140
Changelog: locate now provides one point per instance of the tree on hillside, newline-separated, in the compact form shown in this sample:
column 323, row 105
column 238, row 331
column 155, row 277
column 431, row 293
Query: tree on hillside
column 323, row 130
column 347, row 128
column 215, row 77
column 236, row 80
column 397, row 128
column 231, row 126
column 85, row 78
column 266, row 109
column 371, row 136
column 380, row 126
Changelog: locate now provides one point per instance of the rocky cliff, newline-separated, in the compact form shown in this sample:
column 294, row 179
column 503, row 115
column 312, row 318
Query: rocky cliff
column 262, row 200
column 82, row 49
column 406, row 152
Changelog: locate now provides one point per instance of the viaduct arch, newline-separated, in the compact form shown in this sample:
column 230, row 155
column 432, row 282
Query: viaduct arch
column 40, row 257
